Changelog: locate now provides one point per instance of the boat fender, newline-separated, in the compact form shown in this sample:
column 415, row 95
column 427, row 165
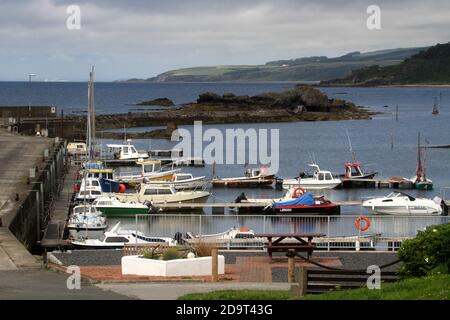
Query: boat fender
column 298, row 192
column 122, row 188
column 361, row 227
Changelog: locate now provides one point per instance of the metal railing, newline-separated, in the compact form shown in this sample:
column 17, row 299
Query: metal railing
column 384, row 233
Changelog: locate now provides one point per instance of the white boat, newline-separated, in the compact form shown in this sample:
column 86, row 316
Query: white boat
column 112, row 206
column 254, row 177
column 82, row 222
column 182, row 181
column 399, row 203
column 118, row 238
column 163, row 194
column 90, row 189
column 146, row 170
column 319, row 180
column 126, row 151
column 230, row 234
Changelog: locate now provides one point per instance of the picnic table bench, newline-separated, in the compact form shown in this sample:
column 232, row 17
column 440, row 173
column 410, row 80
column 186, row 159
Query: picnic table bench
column 275, row 244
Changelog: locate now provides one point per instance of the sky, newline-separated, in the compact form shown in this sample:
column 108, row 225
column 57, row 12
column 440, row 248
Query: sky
column 142, row 38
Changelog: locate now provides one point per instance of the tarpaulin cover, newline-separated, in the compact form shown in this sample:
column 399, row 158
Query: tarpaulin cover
column 306, row 200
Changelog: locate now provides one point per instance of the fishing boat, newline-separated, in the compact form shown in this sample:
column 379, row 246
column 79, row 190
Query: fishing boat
column 182, row 181
column 353, row 170
column 126, row 151
column 319, row 180
column 399, row 203
column 294, row 201
column 112, row 206
column 115, row 239
column 163, row 194
column 253, row 178
column 421, row 181
column 144, row 171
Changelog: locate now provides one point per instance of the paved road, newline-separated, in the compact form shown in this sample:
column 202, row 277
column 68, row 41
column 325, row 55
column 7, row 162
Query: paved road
column 171, row 291
column 48, row 285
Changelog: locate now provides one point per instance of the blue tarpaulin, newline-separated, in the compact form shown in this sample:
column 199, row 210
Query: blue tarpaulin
column 306, row 200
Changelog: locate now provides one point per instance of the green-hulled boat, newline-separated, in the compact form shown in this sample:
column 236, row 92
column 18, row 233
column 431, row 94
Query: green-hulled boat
column 112, row 206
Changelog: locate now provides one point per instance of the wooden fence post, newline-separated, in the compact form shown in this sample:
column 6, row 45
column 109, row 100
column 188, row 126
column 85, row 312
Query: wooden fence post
column 298, row 290
column 215, row 265
column 291, row 269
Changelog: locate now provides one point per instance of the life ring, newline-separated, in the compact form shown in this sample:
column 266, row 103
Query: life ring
column 366, row 224
column 296, row 192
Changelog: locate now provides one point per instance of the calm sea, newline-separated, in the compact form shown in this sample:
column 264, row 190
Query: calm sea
column 387, row 145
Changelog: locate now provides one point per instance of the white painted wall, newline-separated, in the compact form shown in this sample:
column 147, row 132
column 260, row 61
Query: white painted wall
column 134, row 265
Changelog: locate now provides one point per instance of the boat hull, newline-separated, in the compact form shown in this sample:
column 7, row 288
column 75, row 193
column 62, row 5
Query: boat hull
column 118, row 211
column 266, row 181
column 325, row 209
column 310, row 186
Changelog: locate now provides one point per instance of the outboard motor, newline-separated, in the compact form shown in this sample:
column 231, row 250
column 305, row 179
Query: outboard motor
column 178, row 237
column 241, row 197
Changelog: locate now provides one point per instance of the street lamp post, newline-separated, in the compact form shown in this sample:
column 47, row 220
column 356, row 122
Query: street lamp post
column 29, row 92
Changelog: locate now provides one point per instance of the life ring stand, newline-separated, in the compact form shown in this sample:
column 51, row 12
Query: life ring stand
column 366, row 224
column 296, row 190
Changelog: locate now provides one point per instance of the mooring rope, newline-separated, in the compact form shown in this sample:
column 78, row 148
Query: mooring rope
column 340, row 269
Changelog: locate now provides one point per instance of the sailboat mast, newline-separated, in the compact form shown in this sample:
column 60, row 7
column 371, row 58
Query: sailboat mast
column 92, row 112
column 419, row 162
column 350, row 145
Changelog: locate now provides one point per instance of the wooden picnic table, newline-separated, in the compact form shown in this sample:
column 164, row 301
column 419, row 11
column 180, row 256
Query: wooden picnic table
column 300, row 245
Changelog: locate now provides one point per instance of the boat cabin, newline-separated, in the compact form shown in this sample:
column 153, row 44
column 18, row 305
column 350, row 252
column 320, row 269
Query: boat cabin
column 150, row 190
column 353, row 170
column 126, row 151
column 321, row 175
column 100, row 173
column 76, row 148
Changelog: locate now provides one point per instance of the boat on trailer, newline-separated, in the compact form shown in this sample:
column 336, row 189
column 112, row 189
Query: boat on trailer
column 254, row 177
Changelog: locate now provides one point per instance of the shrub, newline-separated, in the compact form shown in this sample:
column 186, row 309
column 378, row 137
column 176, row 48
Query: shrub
column 171, row 254
column 203, row 249
column 152, row 253
column 427, row 253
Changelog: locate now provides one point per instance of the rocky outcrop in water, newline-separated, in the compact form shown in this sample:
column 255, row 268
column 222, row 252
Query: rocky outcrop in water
column 163, row 102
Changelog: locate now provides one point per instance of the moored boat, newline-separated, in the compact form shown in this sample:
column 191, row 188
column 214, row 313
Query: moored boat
column 253, row 178
column 112, row 206
column 182, row 181
column 320, row 179
column 399, row 203
column 294, row 201
column 115, row 239
column 163, row 194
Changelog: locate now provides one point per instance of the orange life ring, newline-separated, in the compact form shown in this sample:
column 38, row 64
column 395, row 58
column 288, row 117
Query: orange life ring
column 358, row 223
column 296, row 190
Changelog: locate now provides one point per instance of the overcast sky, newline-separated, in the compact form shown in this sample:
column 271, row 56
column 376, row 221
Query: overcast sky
column 142, row 38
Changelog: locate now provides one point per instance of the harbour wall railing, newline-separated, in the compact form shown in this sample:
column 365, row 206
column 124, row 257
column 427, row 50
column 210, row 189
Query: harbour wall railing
column 384, row 232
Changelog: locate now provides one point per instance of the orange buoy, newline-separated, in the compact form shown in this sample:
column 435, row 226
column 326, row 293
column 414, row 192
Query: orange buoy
column 366, row 223
column 122, row 188
column 298, row 192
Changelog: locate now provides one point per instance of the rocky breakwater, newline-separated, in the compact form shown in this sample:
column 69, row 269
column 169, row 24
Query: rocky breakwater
column 302, row 103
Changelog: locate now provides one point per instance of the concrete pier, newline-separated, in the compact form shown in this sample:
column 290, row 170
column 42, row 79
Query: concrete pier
column 30, row 173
